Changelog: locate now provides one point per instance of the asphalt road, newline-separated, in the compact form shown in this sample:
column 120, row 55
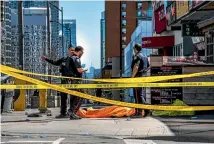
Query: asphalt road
column 59, row 140
column 197, row 129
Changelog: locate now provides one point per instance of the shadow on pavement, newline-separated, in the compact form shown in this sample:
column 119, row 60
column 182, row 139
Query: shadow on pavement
column 188, row 130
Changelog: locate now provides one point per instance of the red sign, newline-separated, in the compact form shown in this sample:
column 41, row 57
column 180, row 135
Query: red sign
column 158, row 42
column 160, row 20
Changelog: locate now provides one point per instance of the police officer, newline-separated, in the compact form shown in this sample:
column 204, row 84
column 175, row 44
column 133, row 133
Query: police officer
column 75, row 102
column 65, row 71
column 138, row 70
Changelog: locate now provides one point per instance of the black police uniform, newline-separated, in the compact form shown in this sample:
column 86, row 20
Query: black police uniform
column 75, row 102
column 65, row 69
column 138, row 95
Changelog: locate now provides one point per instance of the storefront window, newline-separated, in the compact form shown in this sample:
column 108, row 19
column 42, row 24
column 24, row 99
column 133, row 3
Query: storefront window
column 210, row 48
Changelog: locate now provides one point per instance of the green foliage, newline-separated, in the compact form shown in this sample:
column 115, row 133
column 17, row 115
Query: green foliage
column 174, row 113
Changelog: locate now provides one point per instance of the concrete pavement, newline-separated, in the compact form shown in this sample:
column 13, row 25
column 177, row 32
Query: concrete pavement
column 149, row 130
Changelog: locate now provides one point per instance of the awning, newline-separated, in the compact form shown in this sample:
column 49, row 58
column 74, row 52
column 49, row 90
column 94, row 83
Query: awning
column 158, row 42
column 204, row 12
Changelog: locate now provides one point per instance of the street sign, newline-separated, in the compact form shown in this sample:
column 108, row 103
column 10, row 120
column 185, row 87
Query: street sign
column 191, row 29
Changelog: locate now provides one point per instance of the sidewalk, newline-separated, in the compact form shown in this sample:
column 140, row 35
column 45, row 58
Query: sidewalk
column 112, row 127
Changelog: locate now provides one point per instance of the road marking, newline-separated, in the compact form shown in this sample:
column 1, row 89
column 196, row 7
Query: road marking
column 58, row 141
column 130, row 141
column 29, row 142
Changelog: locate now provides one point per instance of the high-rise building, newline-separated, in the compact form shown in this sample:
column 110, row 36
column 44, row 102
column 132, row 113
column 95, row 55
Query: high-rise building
column 35, row 40
column 66, row 44
column 102, row 40
column 7, row 52
column 69, row 24
column 122, row 17
column 54, row 18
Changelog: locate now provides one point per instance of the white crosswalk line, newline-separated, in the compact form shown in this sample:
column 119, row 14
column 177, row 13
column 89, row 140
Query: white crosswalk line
column 58, row 141
column 134, row 141
column 29, row 142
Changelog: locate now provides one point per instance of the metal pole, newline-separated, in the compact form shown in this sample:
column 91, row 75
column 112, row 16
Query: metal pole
column 62, row 31
column 70, row 37
column 21, row 35
column 49, row 39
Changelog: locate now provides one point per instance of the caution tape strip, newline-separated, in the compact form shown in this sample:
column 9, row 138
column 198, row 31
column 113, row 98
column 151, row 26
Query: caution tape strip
column 121, row 80
column 108, row 101
column 112, row 85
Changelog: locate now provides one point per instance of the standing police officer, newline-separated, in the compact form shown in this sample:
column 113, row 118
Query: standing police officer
column 65, row 71
column 75, row 102
column 139, row 66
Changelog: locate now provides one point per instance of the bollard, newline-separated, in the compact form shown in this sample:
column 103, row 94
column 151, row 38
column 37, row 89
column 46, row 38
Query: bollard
column 19, row 97
column 42, row 100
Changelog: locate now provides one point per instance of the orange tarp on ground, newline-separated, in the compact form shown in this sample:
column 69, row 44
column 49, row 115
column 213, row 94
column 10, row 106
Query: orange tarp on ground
column 111, row 111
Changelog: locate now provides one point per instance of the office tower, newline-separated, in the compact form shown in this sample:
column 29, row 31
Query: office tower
column 7, row 52
column 102, row 40
column 35, row 40
column 69, row 24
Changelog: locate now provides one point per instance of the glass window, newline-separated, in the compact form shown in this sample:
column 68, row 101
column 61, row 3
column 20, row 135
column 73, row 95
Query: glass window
column 149, row 13
column 139, row 13
column 123, row 22
column 124, row 30
column 124, row 39
column 123, row 6
column 123, row 14
column 138, row 22
column 139, row 5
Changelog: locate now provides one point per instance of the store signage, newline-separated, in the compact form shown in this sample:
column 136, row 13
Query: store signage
column 181, row 8
column 169, row 94
column 157, row 4
column 191, row 29
column 158, row 42
column 193, row 3
column 160, row 20
column 171, row 13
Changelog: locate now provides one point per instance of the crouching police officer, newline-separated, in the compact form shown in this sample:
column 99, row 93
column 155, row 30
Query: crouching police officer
column 65, row 71
column 75, row 102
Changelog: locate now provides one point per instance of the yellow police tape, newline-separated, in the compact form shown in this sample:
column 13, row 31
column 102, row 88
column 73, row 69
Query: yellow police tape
column 86, row 96
column 121, row 80
column 112, row 85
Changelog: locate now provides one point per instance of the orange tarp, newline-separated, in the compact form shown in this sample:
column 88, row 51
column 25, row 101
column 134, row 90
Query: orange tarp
column 111, row 111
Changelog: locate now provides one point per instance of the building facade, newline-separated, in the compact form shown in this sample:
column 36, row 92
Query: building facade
column 7, row 52
column 122, row 17
column 54, row 18
column 102, row 40
column 35, row 40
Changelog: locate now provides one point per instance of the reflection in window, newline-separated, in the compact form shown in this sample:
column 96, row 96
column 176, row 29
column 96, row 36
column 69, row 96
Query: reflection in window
column 124, row 30
column 123, row 14
column 123, row 22
column 139, row 13
column 124, row 39
column 138, row 22
column 123, row 6
column 139, row 5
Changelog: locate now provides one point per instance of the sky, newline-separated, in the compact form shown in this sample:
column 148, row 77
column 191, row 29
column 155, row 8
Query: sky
column 87, row 15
